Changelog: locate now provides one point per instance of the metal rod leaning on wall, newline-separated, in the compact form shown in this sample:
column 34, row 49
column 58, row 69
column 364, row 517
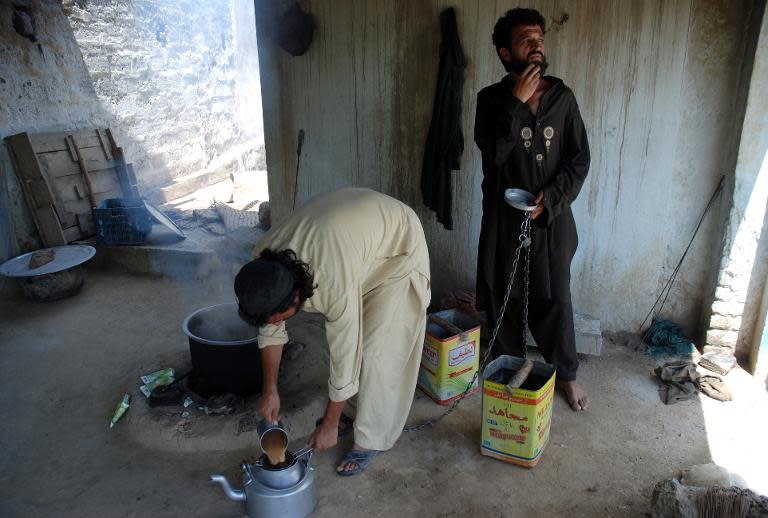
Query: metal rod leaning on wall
column 668, row 286
column 298, row 162
column 84, row 170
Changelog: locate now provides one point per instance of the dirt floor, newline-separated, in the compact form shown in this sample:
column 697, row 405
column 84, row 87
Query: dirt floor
column 65, row 365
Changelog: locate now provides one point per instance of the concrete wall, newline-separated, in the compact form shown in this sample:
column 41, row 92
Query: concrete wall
column 741, row 279
column 656, row 82
column 178, row 78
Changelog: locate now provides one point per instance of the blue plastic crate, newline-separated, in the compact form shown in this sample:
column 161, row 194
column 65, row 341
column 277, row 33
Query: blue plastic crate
column 122, row 221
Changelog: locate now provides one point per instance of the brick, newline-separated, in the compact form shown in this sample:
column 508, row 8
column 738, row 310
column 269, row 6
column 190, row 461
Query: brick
column 724, row 322
column 717, row 349
column 722, row 307
column 724, row 293
column 722, row 338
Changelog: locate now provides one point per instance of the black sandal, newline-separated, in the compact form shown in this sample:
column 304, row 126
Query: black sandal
column 361, row 460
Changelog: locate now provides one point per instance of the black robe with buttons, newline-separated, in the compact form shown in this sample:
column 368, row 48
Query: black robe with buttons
column 558, row 169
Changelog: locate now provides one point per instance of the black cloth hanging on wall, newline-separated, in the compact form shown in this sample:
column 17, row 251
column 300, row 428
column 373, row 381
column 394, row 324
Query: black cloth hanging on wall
column 295, row 30
column 445, row 141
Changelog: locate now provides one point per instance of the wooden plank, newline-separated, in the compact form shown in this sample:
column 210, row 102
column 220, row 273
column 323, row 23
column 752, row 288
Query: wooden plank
column 133, row 184
column 81, row 208
column 111, row 138
column 27, row 168
column 39, row 195
column 58, row 164
column 46, row 194
column 122, row 173
column 104, row 142
column 127, row 178
column 70, row 188
column 71, row 153
column 73, row 234
column 45, row 142
column 105, row 182
column 86, row 225
column 76, row 208
column 23, row 156
column 66, row 218
column 16, row 149
column 49, row 227
column 84, row 171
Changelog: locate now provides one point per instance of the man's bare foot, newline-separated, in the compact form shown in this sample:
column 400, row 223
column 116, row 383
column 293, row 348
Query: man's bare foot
column 576, row 395
column 350, row 465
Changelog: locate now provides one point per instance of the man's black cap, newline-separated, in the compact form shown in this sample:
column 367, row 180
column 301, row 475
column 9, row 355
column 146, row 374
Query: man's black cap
column 262, row 285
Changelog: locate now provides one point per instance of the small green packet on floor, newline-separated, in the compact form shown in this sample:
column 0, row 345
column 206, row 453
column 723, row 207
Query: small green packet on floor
column 156, row 379
column 122, row 407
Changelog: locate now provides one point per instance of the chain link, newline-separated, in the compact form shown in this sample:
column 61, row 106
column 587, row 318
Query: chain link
column 525, row 242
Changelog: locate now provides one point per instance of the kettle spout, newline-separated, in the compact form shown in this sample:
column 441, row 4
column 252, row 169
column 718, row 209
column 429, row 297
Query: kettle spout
column 233, row 494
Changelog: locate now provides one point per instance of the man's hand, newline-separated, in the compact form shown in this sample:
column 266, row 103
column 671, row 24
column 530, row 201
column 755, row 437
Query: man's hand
column 269, row 405
column 325, row 436
column 526, row 85
column 539, row 206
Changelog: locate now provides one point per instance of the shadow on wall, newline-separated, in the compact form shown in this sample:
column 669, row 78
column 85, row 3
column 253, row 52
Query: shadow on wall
column 45, row 86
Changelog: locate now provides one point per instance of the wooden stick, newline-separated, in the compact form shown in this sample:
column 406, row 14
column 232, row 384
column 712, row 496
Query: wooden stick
column 451, row 328
column 121, row 167
column 519, row 378
column 84, row 170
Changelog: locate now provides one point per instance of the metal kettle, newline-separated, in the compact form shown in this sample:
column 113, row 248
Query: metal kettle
column 287, row 491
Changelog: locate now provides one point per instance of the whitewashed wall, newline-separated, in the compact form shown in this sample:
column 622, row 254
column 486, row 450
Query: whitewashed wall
column 172, row 76
column 657, row 84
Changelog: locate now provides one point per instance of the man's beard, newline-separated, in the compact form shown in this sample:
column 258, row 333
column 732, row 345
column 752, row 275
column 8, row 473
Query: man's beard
column 518, row 66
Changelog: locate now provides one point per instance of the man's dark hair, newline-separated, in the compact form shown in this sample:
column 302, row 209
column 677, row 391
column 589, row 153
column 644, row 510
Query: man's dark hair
column 502, row 32
column 303, row 284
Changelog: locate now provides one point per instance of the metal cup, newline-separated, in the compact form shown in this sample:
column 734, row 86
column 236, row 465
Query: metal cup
column 265, row 428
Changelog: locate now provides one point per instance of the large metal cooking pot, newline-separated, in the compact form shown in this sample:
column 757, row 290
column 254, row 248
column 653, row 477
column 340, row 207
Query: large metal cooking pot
column 224, row 352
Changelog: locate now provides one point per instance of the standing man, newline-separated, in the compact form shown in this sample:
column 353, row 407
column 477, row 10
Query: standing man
column 529, row 130
column 359, row 258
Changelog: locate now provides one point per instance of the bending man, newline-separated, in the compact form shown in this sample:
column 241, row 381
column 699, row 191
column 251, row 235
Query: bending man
column 359, row 258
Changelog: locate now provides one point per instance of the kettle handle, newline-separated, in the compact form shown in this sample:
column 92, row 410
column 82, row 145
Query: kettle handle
column 302, row 452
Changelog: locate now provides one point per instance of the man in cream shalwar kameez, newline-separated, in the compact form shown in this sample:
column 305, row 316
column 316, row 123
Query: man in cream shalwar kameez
column 371, row 270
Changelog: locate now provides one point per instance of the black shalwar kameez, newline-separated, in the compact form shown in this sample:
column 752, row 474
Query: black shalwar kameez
column 555, row 160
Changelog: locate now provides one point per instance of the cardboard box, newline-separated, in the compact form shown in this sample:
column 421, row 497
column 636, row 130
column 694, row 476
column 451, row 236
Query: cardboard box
column 448, row 362
column 516, row 427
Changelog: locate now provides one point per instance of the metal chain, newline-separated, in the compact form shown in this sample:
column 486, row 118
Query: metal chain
column 525, row 242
